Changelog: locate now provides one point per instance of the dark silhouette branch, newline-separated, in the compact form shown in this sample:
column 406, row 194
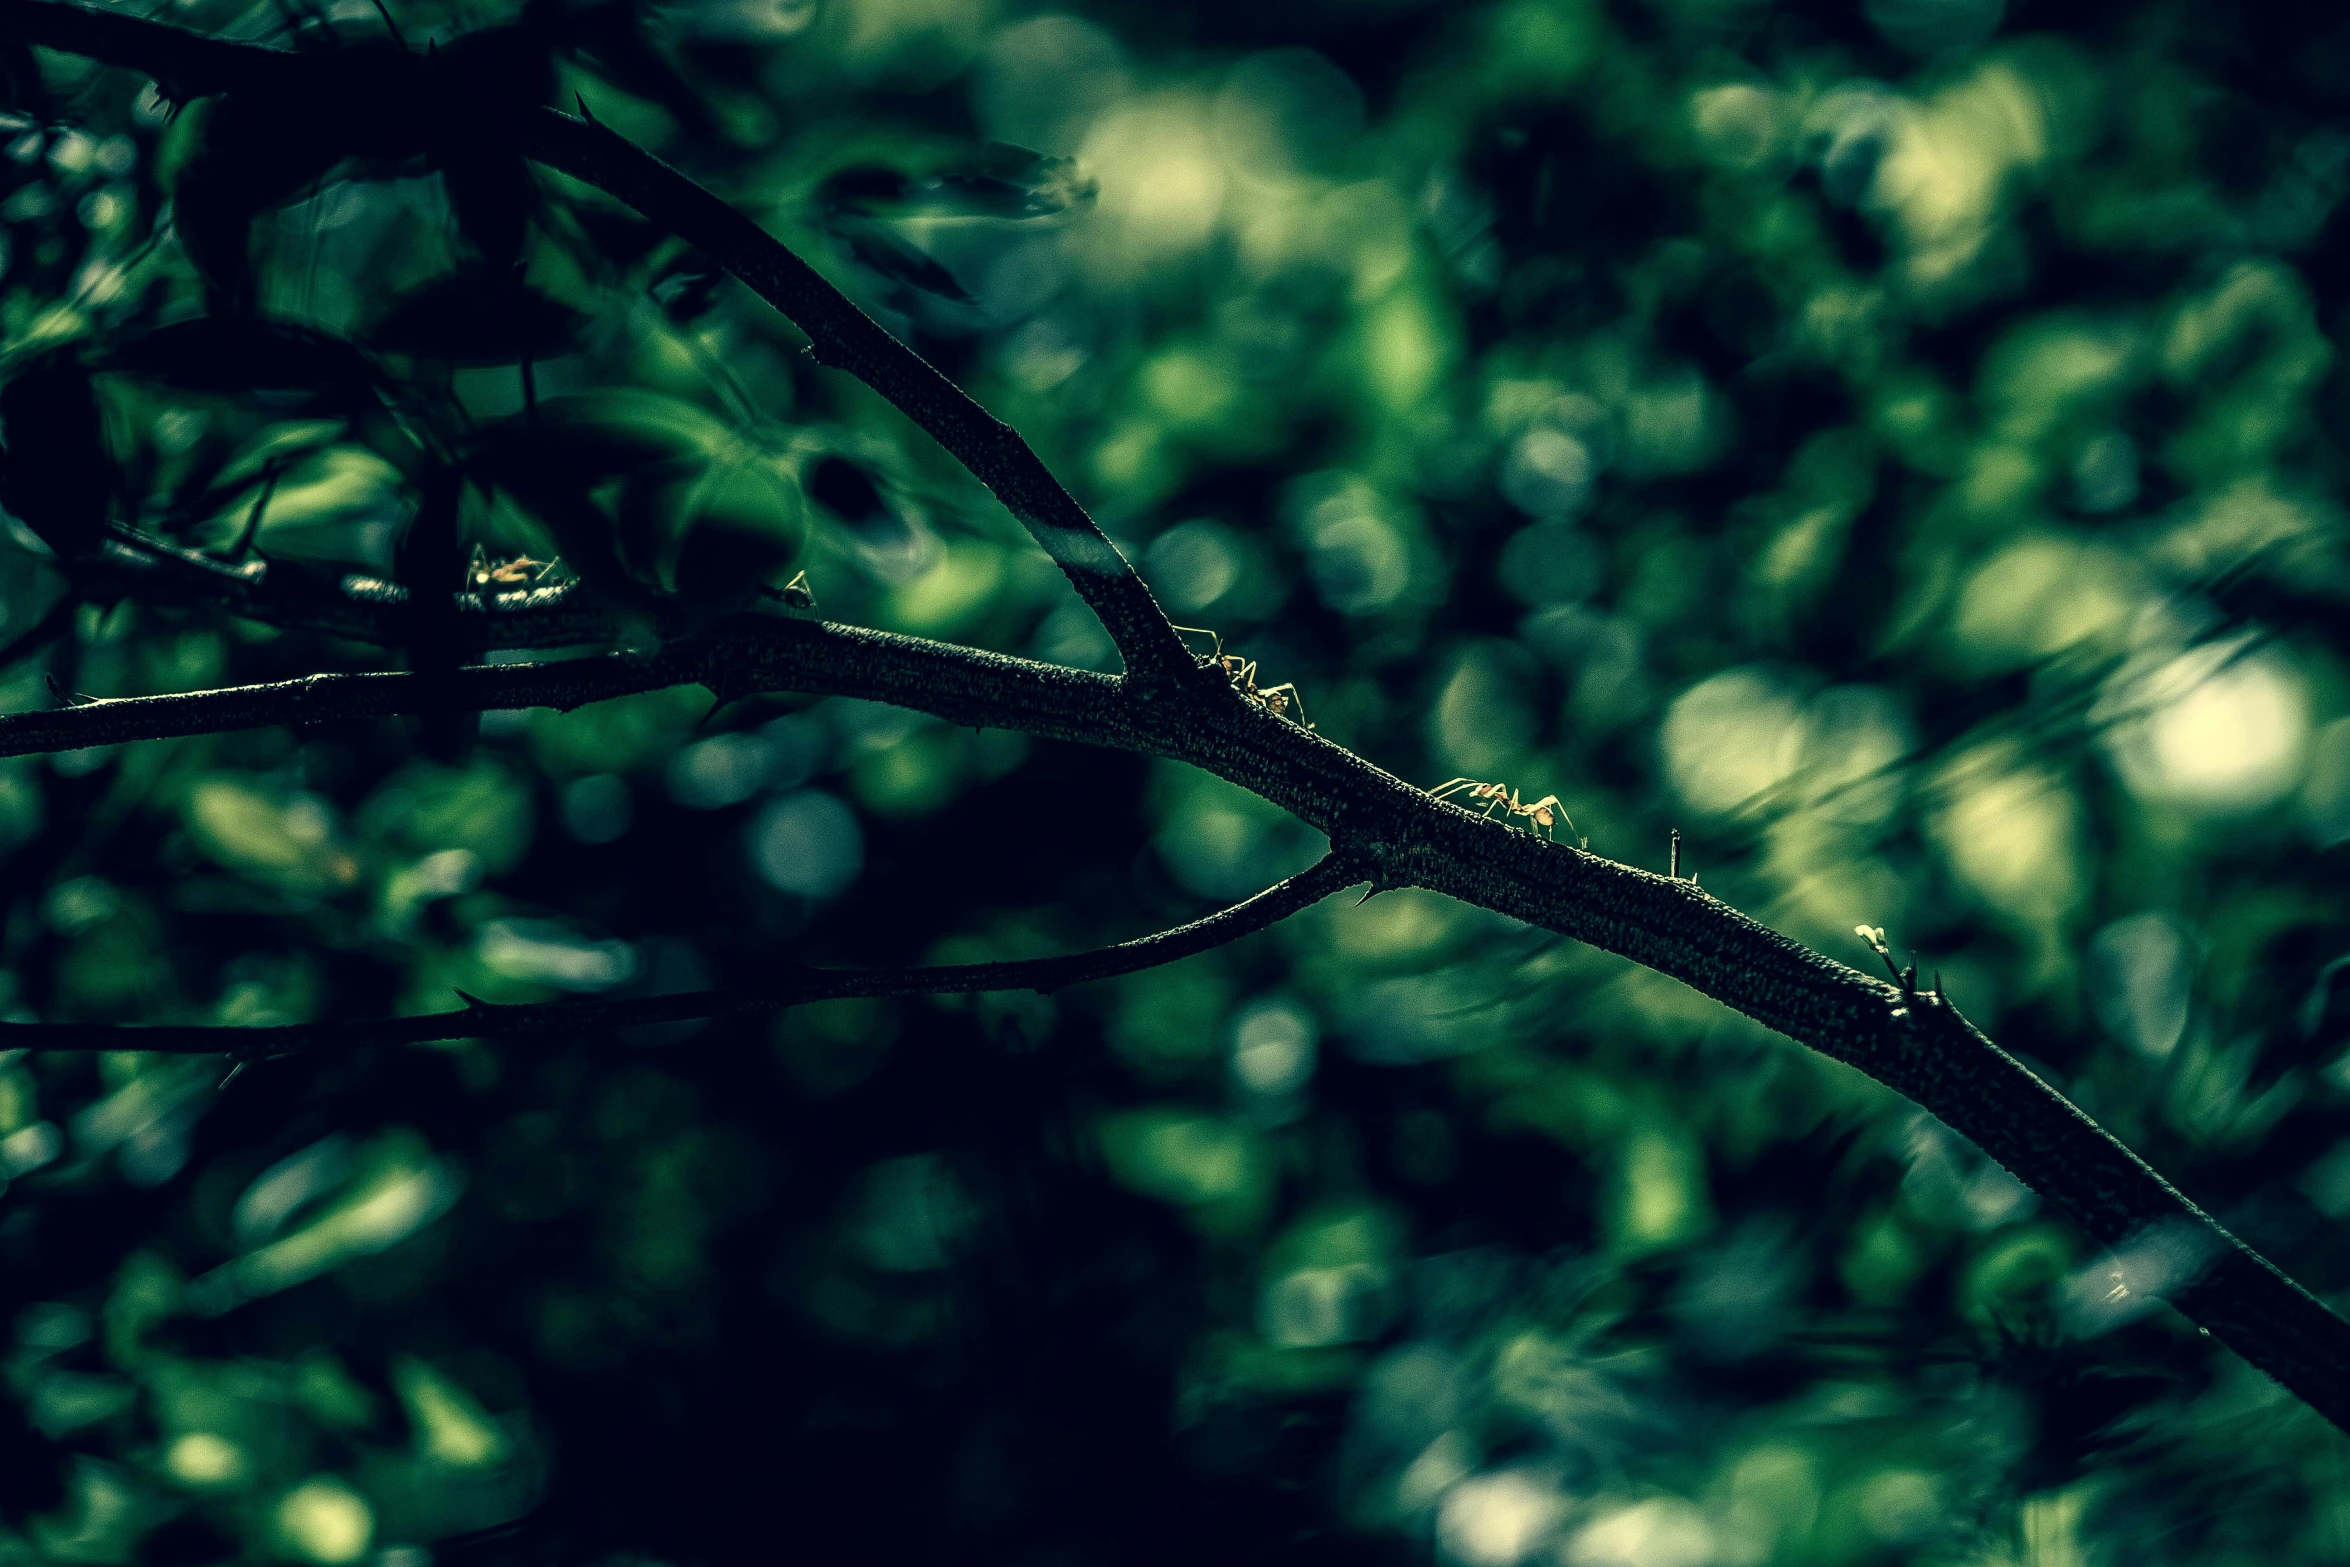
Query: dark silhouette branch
column 846, row 338
column 184, row 64
column 565, row 1021
column 1381, row 828
column 750, row 653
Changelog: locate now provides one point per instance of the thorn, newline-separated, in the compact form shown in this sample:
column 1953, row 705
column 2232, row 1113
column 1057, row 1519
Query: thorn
column 235, row 1071
column 727, row 687
column 1673, row 870
column 584, row 112
column 1937, row 984
column 474, row 1003
column 1693, row 878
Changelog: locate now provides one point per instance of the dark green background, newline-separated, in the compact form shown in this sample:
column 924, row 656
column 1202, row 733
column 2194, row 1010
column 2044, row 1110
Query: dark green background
column 1891, row 444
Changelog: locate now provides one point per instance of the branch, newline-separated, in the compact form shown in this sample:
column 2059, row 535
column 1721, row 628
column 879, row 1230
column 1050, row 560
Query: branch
column 845, row 337
column 1912, row 1041
column 747, row 654
column 184, row 64
column 565, row 1020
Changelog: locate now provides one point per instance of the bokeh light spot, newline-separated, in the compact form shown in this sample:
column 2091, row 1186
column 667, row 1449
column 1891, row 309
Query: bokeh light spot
column 1498, row 1520
column 1729, row 738
column 1663, row 1531
column 324, row 1520
column 2222, row 730
column 205, row 1460
column 808, row 844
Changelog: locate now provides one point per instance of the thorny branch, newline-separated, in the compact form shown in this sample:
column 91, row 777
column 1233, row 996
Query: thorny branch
column 1382, row 829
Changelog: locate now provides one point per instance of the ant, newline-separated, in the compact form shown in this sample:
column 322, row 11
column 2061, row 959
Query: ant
column 520, row 572
column 1242, row 672
column 799, row 593
column 1543, row 813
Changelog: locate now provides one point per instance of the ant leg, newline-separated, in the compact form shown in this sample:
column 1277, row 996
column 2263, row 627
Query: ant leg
column 1216, row 657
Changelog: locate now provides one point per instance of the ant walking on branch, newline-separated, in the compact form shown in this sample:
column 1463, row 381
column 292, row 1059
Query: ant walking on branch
column 1242, row 672
column 1543, row 813
column 484, row 574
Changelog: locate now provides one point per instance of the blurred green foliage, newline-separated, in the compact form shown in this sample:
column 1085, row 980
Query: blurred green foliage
column 1884, row 442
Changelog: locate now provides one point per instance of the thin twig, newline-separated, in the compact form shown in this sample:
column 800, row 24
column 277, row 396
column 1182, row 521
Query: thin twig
column 846, row 338
column 566, row 1021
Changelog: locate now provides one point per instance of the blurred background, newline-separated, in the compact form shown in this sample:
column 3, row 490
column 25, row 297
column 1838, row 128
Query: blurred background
column 1884, row 441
